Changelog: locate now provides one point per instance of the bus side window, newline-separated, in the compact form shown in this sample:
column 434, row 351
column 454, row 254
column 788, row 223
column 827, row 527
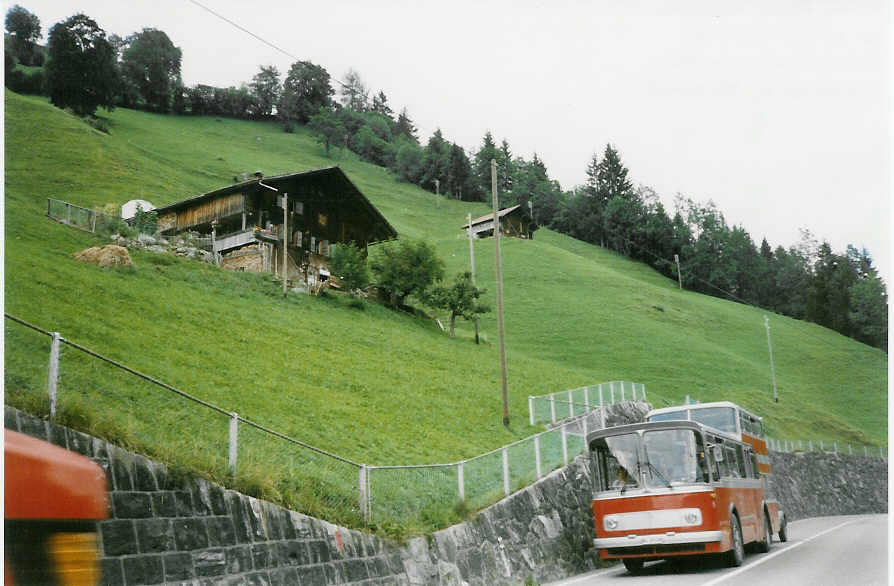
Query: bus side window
column 754, row 465
column 740, row 463
column 729, row 462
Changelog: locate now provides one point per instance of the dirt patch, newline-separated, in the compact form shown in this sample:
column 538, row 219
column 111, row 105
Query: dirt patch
column 110, row 255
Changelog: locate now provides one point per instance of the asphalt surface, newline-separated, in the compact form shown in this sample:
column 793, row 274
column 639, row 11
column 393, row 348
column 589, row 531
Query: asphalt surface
column 820, row 551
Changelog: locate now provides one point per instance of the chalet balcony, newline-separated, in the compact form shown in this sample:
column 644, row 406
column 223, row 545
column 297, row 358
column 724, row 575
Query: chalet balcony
column 235, row 240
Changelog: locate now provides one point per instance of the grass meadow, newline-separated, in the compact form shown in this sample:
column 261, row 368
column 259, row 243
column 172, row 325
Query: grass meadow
column 371, row 385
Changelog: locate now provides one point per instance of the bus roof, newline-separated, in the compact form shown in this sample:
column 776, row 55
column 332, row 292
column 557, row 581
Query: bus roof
column 43, row 481
column 702, row 406
column 655, row 425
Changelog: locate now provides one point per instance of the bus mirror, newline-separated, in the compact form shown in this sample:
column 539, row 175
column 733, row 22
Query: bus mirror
column 718, row 453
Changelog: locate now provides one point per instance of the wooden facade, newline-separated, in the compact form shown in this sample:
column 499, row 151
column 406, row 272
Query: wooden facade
column 514, row 222
column 325, row 209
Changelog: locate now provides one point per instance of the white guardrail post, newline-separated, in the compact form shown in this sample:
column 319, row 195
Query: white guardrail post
column 234, row 445
column 53, row 376
column 565, row 444
column 531, row 409
column 552, row 407
column 506, row 471
column 601, row 409
column 537, row 456
column 586, row 399
column 460, row 476
column 364, row 497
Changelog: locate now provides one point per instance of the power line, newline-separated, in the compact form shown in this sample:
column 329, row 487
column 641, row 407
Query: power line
column 248, row 32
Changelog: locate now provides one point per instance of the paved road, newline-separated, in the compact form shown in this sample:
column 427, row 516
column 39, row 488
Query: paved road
column 832, row 551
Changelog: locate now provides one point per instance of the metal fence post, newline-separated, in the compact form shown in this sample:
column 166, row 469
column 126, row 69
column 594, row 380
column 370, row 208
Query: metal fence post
column 586, row 447
column 537, row 456
column 506, row 471
column 234, row 430
column 364, row 500
column 810, row 444
column 821, row 446
column 565, row 444
column 586, row 399
column 850, row 449
column 835, row 446
column 622, row 390
column 53, row 377
column 570, row 404
column 462, row 483
column 531, row 408
column 644, row 392
column 552, row 407
column 611, row 387
column 601, row 408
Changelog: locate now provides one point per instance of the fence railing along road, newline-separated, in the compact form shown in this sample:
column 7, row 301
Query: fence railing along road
column 375, row 492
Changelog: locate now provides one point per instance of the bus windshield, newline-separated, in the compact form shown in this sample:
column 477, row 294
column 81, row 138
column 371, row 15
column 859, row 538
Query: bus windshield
column 654, row 459
column 673, row 456
column 722, row 418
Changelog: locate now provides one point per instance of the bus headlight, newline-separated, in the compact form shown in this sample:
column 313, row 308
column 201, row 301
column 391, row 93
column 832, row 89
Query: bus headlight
column 610, row 523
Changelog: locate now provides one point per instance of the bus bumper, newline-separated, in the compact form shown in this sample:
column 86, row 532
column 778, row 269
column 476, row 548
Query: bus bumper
column 669, row 538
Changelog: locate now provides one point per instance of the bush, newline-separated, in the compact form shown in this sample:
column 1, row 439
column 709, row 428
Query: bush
column 145, row 222
column 404, row 268
column 349, row 265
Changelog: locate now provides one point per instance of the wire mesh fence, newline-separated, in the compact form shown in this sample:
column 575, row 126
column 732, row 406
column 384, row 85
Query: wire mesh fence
column 423, row 492
column 558, row 406
column 833, row 446
column 75, row 216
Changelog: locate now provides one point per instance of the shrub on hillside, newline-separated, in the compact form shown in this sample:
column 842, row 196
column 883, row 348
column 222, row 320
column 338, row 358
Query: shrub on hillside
column 349, row 265
column 404, row 268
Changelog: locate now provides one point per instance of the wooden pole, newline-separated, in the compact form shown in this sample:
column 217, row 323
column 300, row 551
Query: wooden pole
column 285, row 243
column 472, row 262
column 504, row 387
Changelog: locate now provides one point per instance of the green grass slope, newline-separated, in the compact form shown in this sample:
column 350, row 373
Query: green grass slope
column 369, row 384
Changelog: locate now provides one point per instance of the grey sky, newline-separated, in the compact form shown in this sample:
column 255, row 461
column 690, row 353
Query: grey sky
column 776, row 110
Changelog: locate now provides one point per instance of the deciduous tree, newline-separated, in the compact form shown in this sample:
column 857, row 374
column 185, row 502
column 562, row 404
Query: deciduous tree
column 81, row 72
column 24, row 31
column 305, row 90
column 266, row 87
column 151, row 63
column 404, row 268
column 460, row 298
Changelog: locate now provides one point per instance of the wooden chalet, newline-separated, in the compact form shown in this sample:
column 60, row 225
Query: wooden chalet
column 514, row 222
column 245, row 222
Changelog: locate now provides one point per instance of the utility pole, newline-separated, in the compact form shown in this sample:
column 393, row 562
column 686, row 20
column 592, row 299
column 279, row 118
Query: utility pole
column 679, row 275
column 285, row 242
column 772, row 369
column 504, row 388
column 472, row 262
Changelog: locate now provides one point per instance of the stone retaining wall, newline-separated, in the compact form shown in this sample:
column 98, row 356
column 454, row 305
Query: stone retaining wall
column 813, row 484
column 166, row 529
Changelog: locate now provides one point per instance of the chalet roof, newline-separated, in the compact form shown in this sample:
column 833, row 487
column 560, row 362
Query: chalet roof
column 490, row 216
column 329, row 184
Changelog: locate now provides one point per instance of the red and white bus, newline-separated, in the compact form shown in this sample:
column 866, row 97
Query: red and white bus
column 677, row 485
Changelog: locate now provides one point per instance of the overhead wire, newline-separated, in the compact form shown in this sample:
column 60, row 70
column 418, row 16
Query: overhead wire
column 250, row 33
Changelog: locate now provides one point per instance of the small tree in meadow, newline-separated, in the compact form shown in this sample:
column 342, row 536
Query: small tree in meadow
column 460, row 299
column 404, row 268
column 349, row 265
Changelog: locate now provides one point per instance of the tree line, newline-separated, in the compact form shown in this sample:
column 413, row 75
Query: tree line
column 85, row 69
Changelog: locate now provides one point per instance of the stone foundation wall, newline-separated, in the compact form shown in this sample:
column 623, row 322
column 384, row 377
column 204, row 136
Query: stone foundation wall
column 813, row 484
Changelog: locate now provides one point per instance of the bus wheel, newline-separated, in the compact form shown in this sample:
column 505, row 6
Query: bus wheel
column 763, row 546
column 633, row 565
column 736, row 555
column 783, row 535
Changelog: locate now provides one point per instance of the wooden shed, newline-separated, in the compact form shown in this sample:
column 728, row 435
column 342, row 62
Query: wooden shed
column 244, row 222
column 514, row 222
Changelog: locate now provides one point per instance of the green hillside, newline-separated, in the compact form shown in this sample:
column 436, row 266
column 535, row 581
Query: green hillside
column 369, row 384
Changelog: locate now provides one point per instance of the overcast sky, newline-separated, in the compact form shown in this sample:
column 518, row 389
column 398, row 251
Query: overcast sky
column 776, row 110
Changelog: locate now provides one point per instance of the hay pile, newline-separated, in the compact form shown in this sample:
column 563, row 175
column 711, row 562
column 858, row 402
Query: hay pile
column 110, row 255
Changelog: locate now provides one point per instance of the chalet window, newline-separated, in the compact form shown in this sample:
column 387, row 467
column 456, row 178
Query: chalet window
column 296, row 238
column 313, row 243
column 298, row 207
column 321, row 220
column 324, row 247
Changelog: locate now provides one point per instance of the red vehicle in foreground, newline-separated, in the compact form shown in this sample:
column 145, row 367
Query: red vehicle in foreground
column 53, row 501
column 690, row 481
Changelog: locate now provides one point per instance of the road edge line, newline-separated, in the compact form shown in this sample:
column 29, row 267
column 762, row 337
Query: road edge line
column 765, row 558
